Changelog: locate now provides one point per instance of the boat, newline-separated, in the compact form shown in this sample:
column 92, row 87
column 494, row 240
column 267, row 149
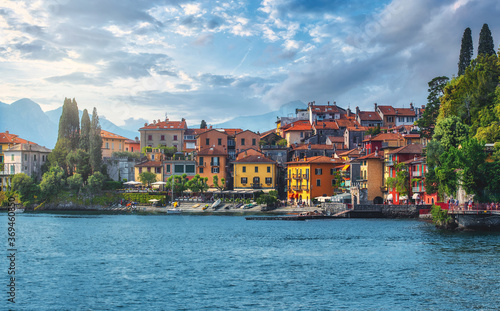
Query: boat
column 206, row 206
column 19, row 210
column 216, row 203
column 196, row 205
column 174, row 211
column 251, row 205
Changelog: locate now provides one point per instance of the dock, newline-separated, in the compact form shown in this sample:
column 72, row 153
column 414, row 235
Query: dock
column 477, row 219
column 292, row 217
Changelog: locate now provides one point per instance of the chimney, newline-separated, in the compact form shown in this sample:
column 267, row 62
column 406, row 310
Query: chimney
column 159, row 121
column 335, row 103
column 328, row 103
column 348, row 112
column 210, row 127
column 7, row 132
column 411, row 106
column 376, row 151
column 357, row 110
column 375, row 104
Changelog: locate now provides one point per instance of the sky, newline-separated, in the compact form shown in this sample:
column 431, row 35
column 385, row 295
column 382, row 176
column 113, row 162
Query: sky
column 141, row 60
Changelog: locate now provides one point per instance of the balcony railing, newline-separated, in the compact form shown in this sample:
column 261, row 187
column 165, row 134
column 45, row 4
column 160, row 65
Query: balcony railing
column 305, row 176
column 297, row 176
column 212, row 163
column 256, row 185
column 296, row 188
column 305, row 188
column 418, row 189
column 389, row 163
column 416, row 173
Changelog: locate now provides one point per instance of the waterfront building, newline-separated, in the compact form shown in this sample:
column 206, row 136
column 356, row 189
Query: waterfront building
column 372, row 176
column 417, row 168
column 394, row 157
column 23, row 158
column 254, row 172
column 179, row 164
column 112, row 143
column 163, row 133
column 152, row 166
column 312, row 177
column 190, row 141
column 212, row 162
column 246, row 139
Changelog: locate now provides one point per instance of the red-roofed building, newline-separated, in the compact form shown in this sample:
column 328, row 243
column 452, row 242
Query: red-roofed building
column 190, row 139
column 383, row 141
column 255, row 172
column 212, row 162
column 368, row 118
column 296, row 132
column 246, row 139
column 163, row 133
column 324, row 112
column 112, row 143
column 133, row 145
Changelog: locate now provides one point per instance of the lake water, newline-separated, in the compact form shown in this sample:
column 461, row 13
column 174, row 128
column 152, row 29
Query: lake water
column 137, row 262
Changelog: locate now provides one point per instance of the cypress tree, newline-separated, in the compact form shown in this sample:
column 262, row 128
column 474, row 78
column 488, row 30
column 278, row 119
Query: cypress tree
column 85, row 131
column 486, row 46
column 466, row 51
column 203, row 124
column 95, row 143
column 69, row 123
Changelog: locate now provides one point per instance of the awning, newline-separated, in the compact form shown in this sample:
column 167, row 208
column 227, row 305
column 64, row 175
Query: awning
column 403, row 197
column 346, row 167
column 416, row 196
column 389, row 197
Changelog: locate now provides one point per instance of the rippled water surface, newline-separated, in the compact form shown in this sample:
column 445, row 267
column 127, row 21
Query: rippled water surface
column 134, row 262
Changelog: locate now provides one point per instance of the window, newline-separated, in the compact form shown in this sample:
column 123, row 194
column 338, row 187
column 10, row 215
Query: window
column 243, row 141
column 25, row 157
column 269, row 180
column 175, row 137
column 244, row 169
column 207, row 141
column 113, row 146
column 256, row 169
column 158, row 170
column 107, row 145
column 140, row 170
column 215, row 170
column 332, row 171
column 167, row 168
column 215, row 161
column 190, row 168
column 389, row 119
column 244, row 180
column 254, row 141
column 318, row 171
column 269, row 169
column 307, row 173
column 178, row 168
column 333, row 182
column 152, row 157
column 25, row 168
column 201, row 170
column 219, row 141
column 12, row 170
column 318, row 182
column 149, row 169
column 200, row 161
column 162, row 137
column 190, row 145
column 34, row 157
column 150, row 137
column 1, row 159
column 301, row 134
column 120, row 146
column 12, row 157
column 401, row 119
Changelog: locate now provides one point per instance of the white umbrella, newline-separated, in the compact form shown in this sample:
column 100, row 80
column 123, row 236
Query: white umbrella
column 154, row 200
column 132, row 182
column 158, row 183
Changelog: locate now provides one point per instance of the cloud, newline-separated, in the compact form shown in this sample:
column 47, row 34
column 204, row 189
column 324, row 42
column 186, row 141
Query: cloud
column 77, row 78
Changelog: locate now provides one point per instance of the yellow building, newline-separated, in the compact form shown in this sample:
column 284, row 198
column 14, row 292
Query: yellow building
column 155, row 167
column 255, row 172
column 111, row 143
column 312, row 177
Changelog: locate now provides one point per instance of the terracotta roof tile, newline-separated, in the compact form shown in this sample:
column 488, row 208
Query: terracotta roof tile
column 150, row 164
column 106, row 134
column 326, row 125
column 405, row 112
column 318, row 159
column 313, row 147
column 387, row 110
column 326, row 109
column 211, row 151
column 335, row 139
column 254, row 159
column 369, row 116
column 165, row 125
column 413, row 148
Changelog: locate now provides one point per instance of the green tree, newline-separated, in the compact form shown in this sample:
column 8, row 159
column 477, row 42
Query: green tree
column 198, row 184
column 180, row 183
column 95, row 182
column 147, row 178
column 451, row 132
column 59, row 155
column 282, row 142
column 203, row 124
column 473, row 164
column 447, row 173
column 95, row 143
column 52, row 181
column 486, row 46
column 25, row 187
column 85, row 131
column 222, row 184
column 402, row 180
column 428, row 120
column 69, row 123
column 466, row 51
column 75, row 182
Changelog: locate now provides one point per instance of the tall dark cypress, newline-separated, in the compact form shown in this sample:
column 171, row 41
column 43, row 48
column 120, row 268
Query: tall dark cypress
column 69, row 123
column 85, row 131
column 486, row 46
column 466, row 51
column 95, row 142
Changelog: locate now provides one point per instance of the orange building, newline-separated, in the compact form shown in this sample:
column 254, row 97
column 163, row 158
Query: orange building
column 246, row 139
column 190, row 141
column 213, row 138
column 133, row 145
column 212, row 162
column 111, row 143
column 313, row 177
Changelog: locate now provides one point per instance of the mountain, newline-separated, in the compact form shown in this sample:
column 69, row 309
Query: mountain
column 262, row 122
column 26, row 119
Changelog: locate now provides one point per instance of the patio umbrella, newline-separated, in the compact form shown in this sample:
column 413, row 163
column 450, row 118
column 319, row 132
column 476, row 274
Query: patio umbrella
column 132, row 183
column 158, row 183
column 154, row 200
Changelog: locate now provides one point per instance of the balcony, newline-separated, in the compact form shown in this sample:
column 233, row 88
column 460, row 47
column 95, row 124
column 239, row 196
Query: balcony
column 203, row 164
column 305, row 176
column 256, row 185
column 389, row 163
column 297, row 176
column 418, row 189
column 296, row 188
column 212, row 163
column 416, row 173
column 304, row 188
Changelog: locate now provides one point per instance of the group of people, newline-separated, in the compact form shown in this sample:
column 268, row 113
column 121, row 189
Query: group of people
column 470, row 205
